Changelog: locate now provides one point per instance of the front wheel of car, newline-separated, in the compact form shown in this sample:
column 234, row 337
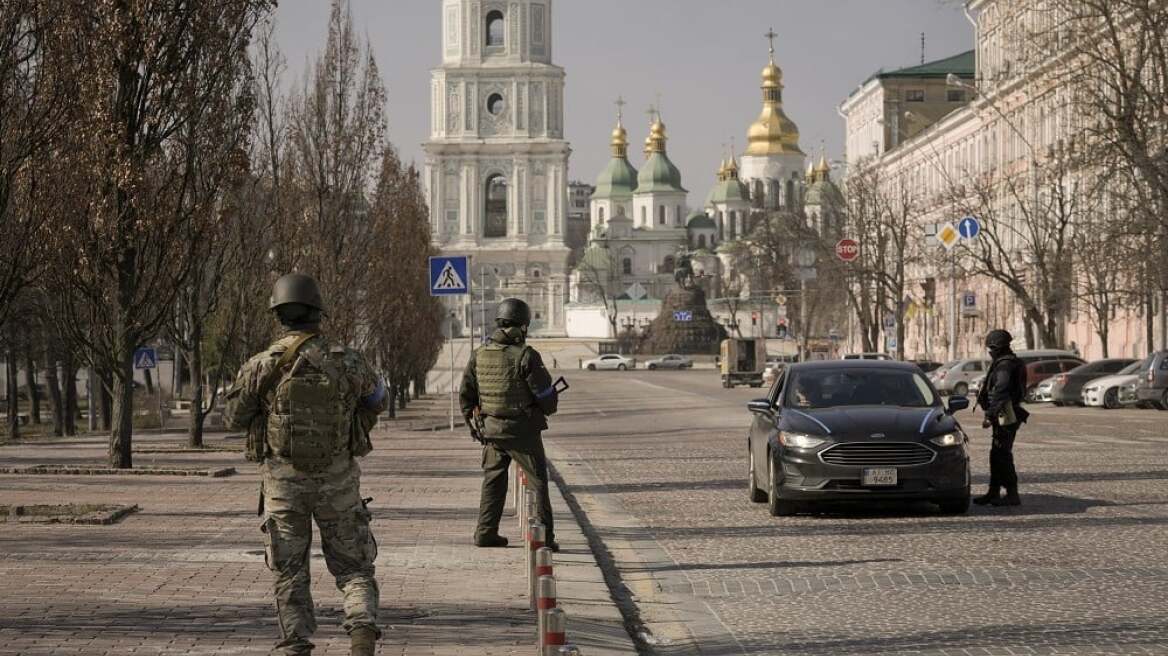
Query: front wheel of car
column 1111, row 399
column 960, row 389
column 591, row 367
column 756, row 495
column 621, row 367
column 955, row 506
column 1057, row 404
column 776, row 506
column 652, row 367
column 1163, row 405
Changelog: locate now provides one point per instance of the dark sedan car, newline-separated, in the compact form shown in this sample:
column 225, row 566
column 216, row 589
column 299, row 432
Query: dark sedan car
column 1068, row 388
column 856, row 430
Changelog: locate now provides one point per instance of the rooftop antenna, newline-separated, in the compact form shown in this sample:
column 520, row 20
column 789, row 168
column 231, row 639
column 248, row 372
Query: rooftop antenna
column 922, row 48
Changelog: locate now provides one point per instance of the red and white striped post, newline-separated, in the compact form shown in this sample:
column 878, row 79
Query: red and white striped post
column 545, row 601
column 553, row 632
column 534, row 543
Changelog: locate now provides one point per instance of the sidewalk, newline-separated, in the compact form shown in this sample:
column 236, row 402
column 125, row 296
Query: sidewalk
column 185, row 574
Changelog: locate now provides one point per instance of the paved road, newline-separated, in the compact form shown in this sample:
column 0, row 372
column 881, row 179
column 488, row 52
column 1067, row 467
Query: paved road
column 657, row 462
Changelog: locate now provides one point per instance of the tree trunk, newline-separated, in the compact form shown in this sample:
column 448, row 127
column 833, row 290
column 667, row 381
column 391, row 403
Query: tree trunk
column 149, row 381
column 121, row 454
column 195, row 431
column 54, row 385
column 12, row 390
column 105, row 402
column 69, row 388
column 392, row 409
column 30, row 382
column 1150, row 321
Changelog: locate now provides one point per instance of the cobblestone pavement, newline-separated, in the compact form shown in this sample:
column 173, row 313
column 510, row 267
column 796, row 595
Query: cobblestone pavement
column 186, row 575
column 658, row 461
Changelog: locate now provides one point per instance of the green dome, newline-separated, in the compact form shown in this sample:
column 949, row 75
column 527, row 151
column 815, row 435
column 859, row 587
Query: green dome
column 822, row 192
column 618, row 181
column 659, row 174
column 700, row 220
column 727, row 191
column 596, row 257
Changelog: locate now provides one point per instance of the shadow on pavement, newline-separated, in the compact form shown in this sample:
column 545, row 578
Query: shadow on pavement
column 772, row 564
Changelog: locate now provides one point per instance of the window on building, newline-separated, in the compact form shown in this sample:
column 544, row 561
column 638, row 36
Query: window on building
column 495, row 214
column 600, row 214
column 644, row 215
column 914, row 95
column 955, row 95
column 677, row 216
column 627, row 266
column 667, row 265
column 535, row 273
column 495, row 104
column 660, row 215
column 701, row 241
column 494, row 29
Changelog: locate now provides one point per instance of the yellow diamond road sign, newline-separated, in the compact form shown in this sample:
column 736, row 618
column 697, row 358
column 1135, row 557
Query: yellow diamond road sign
column 948, row 236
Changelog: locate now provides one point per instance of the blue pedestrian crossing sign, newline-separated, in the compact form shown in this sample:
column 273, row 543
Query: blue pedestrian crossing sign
column 969, row 227
column 145, row 358
column 448, row 275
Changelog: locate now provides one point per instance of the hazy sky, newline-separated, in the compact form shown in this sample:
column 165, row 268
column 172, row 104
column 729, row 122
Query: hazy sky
column 703, row 56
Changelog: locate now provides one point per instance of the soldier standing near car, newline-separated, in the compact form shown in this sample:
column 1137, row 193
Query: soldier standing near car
column 506, row 396
column 1001, row 398
column 308, row 405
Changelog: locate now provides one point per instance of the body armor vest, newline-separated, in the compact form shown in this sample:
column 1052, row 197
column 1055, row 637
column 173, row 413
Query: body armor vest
column 503, row 391
column 311, row 409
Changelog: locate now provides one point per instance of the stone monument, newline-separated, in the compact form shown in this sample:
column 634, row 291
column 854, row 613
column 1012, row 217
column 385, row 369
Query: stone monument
column 685, row 325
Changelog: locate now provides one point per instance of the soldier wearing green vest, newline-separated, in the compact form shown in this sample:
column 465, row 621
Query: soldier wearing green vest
column 307, row 406
column 506, row 397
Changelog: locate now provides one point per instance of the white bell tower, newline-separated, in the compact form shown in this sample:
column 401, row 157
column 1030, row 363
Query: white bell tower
column 496, row 162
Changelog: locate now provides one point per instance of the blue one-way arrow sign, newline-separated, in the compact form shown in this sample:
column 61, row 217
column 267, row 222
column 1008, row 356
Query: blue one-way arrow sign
column 145, row 358
column 448, row 275
column 969, row 227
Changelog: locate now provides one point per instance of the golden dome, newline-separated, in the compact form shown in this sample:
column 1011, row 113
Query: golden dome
column 773, row 133
column 620, row 141
column 655, row 142
column 823, row 167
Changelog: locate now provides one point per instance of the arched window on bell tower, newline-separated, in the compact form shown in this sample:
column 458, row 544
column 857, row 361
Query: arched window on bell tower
column 496, row 34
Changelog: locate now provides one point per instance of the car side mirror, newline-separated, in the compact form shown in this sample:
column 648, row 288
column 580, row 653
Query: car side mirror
column 761, row 407
column 958, row 403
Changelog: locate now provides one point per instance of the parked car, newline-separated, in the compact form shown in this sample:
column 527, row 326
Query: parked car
column 670, row 362
column 1041, row 392
column 1067, row 389
column 610, row 361
column 856, row 430
column 1116, row 390
column 1153, row 385
column 1042, row 364
column 867, row 356
column 954, row 376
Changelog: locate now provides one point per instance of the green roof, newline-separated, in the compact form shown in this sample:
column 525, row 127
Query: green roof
column 728, row 190
column 596, row 257
column 822, row 192
column 698, row 220
column 618, row 181
column 961, row 65
column 659, row 175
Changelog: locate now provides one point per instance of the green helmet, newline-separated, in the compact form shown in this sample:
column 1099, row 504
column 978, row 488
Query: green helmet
column 296, row 288
column 513, row 311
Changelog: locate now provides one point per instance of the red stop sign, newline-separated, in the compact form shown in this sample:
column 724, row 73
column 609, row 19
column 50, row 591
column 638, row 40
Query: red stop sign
column 847, row 249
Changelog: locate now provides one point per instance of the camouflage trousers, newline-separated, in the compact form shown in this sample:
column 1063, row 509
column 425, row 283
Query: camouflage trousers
column 292, row 499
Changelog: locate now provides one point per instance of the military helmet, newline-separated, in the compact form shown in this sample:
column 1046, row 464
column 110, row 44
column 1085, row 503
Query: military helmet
column 514, row 311
column 998, row 339
column 296, row 288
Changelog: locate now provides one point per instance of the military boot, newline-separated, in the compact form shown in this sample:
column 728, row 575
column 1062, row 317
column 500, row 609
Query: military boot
column 363, row 640
column 1011, row 499
column 991, row 495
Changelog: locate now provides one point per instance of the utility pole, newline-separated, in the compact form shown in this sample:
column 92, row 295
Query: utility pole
column 953, row 305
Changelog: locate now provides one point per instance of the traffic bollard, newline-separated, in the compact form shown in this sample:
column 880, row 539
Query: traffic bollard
column 515, row 483
column 545, row 601
column 543, row 562
column 534, row 544
column 553, row 632
column 569, row 650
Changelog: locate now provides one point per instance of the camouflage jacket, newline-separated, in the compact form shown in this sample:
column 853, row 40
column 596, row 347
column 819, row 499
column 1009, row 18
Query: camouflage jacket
column 247, row 405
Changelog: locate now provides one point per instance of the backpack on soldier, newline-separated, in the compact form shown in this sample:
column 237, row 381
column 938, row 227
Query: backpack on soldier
column 310, row 413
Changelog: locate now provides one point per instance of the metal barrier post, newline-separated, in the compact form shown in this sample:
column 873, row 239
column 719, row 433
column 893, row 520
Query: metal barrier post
column 545, row 601
column 553, row 632
column 534, row 544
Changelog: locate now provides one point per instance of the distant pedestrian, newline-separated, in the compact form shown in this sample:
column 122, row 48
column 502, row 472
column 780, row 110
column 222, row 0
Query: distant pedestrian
column 1075, row 348
column 1001, row 398
column 555, row 363
column 506, row 397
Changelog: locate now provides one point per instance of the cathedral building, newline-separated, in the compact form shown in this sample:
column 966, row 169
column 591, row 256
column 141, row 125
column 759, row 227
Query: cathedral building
column 496, row 169
column 641, row 225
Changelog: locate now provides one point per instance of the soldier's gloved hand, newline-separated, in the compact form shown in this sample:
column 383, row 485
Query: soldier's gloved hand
column 476, row 435
column 985, row 423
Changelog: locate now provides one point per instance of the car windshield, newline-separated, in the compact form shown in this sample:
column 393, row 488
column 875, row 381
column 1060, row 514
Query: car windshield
column 827, row 388
column 1132, row 368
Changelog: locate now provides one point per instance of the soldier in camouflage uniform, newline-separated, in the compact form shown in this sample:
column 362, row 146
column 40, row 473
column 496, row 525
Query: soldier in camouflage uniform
column 308, row 406
column 506, row 396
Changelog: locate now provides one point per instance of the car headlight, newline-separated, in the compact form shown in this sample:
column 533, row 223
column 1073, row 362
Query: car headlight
column 949, row 439
column 799, row 440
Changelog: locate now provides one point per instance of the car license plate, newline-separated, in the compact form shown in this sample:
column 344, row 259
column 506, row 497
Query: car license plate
column 878, row 477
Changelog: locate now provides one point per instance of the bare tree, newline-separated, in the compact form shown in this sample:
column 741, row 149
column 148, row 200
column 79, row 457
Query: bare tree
column 140, row 170
column 600, row 279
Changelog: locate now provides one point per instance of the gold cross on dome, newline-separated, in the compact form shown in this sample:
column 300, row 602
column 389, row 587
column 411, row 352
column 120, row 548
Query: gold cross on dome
column 770, row 35
column 652, row 112
column 620, row 108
